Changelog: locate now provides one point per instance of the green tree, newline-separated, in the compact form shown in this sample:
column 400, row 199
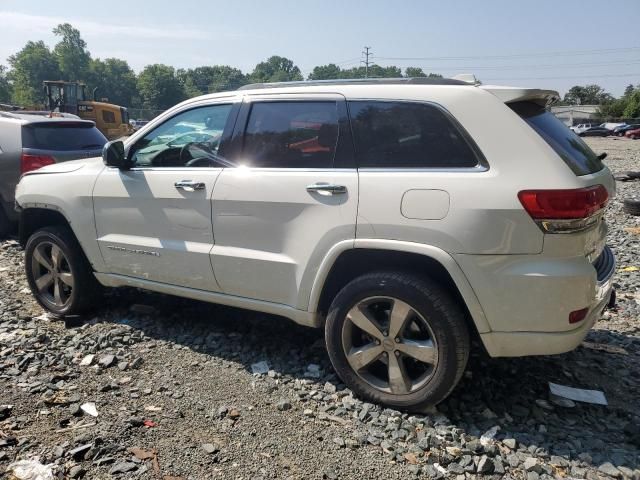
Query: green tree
column 71, row 52
column 29, row 68
column 587, row 95
column 211, row 79
column 413, row 72
column 114, row 80
column 275, row 69
column 5, row 86
column 325, row 72
column 632, row 108
column 628, row 90
column 159, row 87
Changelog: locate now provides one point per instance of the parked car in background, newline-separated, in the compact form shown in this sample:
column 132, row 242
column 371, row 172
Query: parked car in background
column 581, row 127
column 31, row 141
column 620, row 131
column 633, row 134
column 611, row 125
column 377, row 209
column 595, row 132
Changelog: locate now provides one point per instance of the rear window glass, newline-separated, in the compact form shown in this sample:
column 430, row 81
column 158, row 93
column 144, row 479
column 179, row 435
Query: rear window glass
column 62, row 137
column 569, row 146
column 407, row 135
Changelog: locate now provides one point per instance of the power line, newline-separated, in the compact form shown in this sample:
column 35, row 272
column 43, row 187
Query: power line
column 366, row 62
column 516, row 67
column 521, row 55
column 565, row 78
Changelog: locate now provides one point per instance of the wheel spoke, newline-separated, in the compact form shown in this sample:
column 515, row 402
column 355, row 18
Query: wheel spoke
column 44, row 282
column 66, row 278
column 360, row 357
column 423, row 351
column 58, row 292
column 399, row 381
column 361, row 319
column 56, row 256
column 41, row 258
column 400, row 312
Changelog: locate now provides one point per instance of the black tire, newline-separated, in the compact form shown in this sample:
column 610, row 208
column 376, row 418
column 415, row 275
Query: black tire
column 631, row 206
column 444, row 318
column 86, row 289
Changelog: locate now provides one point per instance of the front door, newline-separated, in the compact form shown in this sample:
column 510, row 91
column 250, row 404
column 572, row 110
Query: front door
column 154, row 221
column 291, row 197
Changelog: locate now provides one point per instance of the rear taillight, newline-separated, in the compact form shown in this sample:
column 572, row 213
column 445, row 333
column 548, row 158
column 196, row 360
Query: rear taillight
column 33, row 162
column 563, row 211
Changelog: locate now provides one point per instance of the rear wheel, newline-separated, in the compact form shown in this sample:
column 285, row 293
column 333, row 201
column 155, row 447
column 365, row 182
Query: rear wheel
column 58, row 273
column 397, row 339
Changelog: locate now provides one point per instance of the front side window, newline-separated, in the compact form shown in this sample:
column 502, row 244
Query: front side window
column 407, row 135
column 291, row 135
column 189, row 139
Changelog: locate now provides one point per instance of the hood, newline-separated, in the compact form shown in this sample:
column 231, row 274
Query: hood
column 67, row 167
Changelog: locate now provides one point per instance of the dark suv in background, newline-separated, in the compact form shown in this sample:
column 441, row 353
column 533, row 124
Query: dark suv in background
column 28, row 142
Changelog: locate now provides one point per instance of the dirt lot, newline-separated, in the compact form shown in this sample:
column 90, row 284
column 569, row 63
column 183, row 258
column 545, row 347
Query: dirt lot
column 173, row 378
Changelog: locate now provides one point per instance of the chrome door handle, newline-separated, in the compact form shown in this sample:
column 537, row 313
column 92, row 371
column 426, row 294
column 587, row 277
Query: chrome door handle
column 327, row 188
column 189, row 185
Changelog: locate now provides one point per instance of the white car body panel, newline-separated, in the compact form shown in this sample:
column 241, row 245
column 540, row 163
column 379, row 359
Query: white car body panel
column 266, row 227
column 256, row 238
column 147, row 228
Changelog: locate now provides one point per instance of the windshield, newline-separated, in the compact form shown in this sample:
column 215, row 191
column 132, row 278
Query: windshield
column 569, row 146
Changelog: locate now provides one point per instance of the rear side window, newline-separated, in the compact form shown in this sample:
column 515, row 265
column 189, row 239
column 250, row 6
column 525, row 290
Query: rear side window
column 408, row 135
column 62, row 136
column 569, row 146
column 291, row 135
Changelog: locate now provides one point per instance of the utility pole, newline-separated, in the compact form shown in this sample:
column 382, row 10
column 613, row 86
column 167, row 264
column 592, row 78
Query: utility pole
column 366, row 53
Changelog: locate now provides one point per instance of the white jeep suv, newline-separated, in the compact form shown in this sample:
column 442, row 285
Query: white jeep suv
column 407, row 217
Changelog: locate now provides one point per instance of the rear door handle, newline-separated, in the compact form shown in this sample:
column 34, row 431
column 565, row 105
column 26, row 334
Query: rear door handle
column 327, row 188
column 189, row 185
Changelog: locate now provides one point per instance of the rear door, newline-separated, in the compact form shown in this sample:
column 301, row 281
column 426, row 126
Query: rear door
column 291, row 197
column 154, row 221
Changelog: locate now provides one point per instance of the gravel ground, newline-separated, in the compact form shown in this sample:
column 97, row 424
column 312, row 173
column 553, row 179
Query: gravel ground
column 173, row 385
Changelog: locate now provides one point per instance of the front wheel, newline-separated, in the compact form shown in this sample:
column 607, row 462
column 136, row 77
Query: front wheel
column 397, row 339
column 58, row 273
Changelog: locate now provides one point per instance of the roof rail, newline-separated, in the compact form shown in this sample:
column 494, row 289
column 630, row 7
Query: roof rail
column 358, row 81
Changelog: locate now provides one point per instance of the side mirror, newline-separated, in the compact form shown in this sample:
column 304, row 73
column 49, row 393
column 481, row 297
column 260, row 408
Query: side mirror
column 113, row 155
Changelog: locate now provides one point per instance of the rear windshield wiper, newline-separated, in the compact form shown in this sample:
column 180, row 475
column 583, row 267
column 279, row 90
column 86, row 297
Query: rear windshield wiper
column 602, row 156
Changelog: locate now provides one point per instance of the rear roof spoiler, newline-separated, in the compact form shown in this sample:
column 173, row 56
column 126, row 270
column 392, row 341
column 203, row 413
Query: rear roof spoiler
column 543, row 98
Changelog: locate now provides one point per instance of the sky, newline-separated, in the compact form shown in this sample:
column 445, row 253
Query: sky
column 542, row 43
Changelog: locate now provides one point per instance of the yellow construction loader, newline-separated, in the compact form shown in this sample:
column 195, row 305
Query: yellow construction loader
column 71, row 97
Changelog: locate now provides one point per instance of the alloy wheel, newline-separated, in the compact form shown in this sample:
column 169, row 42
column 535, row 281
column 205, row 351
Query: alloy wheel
column 52, row 274
column 389, row 345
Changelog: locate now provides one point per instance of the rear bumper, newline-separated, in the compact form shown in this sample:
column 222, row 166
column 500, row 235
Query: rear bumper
column 552, row 294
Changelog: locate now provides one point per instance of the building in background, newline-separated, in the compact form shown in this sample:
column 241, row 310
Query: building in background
column 575, row 114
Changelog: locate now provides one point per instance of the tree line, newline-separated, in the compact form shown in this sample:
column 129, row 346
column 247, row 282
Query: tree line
column 159, row 86
column 627, row 106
